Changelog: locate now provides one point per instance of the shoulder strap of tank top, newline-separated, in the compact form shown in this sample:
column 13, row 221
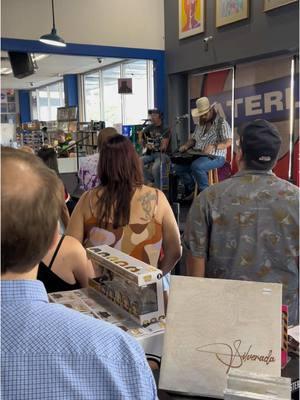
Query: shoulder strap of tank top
column 56, row 251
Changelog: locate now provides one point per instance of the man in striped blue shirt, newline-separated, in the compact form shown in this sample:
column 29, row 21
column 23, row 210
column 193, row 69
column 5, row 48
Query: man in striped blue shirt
column 47, row 350
column 212, row 136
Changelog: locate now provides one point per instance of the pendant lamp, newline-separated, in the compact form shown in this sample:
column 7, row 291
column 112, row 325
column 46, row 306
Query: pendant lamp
column 52, row 38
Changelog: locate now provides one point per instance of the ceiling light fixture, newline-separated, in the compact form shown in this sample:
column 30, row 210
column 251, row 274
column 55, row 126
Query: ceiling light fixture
column 5, row 71
column 52, row 38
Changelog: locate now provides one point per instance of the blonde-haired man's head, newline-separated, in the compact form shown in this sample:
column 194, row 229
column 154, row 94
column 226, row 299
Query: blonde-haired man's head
column 104, row 135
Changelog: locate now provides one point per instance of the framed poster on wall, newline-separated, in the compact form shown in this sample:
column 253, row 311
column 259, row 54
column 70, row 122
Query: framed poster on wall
column 229, row 11
column 191, row 17
column 271, row 4
column 125, row 86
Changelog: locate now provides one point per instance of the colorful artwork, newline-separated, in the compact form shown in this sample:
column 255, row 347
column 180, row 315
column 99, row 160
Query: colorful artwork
column 271, row 4
column 191, row 17
column 229, row 11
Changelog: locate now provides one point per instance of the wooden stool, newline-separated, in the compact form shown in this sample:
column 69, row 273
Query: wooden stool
column 213, row 178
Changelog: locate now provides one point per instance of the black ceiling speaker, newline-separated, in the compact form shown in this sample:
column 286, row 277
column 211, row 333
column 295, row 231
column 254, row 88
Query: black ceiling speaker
column 21, row 64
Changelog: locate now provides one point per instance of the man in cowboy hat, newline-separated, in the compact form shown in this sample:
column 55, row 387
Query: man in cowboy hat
column 211, row 136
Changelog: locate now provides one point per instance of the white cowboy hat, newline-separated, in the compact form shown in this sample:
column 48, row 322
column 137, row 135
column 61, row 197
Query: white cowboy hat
column 203, row 106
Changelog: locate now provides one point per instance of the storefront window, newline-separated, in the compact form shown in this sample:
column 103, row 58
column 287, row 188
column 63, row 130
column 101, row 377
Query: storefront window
column 46, row 100
column 92, row 96
column 103, row 102
column 135, row 104
column 111, row 97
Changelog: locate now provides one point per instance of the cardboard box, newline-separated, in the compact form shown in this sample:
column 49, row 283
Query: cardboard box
column 132, row 285
column 215, row 327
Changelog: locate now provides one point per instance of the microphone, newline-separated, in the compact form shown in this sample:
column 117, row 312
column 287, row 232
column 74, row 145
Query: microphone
column 182, row 116
column 146, row 119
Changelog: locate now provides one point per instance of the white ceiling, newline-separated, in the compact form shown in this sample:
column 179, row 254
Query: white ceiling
column 51, row 69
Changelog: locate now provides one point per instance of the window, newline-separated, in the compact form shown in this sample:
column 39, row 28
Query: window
column 111, row 97
column 103, row 102
column 46, row 100
column 92, row 96
column 136, row 104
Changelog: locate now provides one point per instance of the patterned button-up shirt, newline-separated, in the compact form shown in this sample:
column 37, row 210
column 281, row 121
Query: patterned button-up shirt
column 219, row 131
column 246, row 228
column 51, row 352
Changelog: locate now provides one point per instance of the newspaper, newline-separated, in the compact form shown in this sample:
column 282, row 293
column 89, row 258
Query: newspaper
column 89, row 302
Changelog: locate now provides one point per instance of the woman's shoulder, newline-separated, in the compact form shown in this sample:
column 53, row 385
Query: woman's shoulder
column 72, row 243
column 150, row 189
column 155, row 194
column 88, row 198
column 72, row 247
column 152, row 199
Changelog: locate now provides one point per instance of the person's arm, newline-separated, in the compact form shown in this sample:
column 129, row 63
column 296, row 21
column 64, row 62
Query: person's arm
column 224, row 145
column 164, row 144
column 196, row 236
column 188, row 145
column 165, row 140
column 76, row 224
column 127, row 367
column 81, row 267
column 195, row 266
column 143, row 136
column 170, row 237
column 140, row 138
column 226, row 135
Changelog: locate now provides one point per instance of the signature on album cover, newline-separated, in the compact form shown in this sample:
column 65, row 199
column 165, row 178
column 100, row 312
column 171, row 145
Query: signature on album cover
column 234, row 356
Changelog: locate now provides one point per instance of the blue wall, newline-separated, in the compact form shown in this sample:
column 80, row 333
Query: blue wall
column 24, row 104
column 71, row 90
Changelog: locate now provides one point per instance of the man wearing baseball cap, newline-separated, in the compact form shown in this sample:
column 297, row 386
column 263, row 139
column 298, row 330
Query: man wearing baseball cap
column 246, row 227
column 211, row 136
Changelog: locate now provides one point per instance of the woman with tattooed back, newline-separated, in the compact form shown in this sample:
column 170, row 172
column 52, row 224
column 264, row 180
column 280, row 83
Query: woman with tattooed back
column 124, row 213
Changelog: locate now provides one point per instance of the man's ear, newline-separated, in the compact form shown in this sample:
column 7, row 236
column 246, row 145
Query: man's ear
column 55, row 236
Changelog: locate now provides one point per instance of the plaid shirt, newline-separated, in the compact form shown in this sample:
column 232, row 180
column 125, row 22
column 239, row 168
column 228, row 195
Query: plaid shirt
column 219, row 131
column 51, row 352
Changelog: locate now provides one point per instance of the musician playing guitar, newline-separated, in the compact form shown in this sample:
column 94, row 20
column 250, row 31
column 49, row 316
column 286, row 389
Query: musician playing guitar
column 155, row 139
column 211, row 136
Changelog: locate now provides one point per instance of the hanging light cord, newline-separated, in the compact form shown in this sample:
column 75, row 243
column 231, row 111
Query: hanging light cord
column 53, row 14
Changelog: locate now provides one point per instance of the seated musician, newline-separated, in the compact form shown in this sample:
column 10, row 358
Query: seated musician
column 211, row 136
column 155, row 139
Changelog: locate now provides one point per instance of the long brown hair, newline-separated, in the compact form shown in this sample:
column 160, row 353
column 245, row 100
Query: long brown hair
column 120, row 174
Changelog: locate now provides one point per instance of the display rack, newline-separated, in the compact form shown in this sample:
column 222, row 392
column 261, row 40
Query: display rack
column 30, row 135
